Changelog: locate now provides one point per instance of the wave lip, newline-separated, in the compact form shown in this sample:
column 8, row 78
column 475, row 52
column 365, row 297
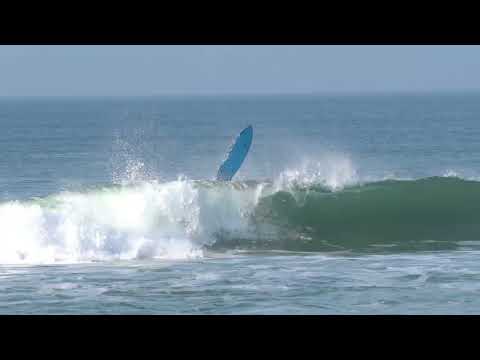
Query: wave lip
column 333, row 172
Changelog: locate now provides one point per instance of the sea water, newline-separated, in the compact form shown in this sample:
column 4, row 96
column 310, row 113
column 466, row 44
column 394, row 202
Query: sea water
column 346, row 204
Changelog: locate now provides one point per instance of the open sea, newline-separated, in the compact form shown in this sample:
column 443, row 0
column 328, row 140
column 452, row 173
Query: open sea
column 346, row 204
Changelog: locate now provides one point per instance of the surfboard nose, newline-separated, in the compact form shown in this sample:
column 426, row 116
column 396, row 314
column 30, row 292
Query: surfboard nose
column 248, row 129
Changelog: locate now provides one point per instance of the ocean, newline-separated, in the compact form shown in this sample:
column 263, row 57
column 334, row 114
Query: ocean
column 346, row 204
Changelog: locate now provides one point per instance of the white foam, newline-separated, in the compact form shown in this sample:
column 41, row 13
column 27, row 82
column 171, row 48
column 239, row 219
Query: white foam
column 171, row 220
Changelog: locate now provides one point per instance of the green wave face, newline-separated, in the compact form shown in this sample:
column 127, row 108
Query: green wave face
column 427, row 214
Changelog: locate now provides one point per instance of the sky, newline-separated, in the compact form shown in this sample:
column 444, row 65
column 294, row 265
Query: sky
column 100, row 70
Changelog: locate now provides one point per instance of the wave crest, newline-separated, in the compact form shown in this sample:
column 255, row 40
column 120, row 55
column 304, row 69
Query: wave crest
column 334, row 172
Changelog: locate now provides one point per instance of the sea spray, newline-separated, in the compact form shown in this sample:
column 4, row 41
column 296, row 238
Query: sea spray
column 332, row 171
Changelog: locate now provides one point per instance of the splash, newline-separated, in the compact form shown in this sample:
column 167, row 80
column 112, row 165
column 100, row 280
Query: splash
column 127, row 165
column 334, row 172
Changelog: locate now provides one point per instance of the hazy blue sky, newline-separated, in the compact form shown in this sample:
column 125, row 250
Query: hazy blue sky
column 151, row 70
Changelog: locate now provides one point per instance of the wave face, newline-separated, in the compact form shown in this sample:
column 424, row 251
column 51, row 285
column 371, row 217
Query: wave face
column 427, row 213
column 182, row 219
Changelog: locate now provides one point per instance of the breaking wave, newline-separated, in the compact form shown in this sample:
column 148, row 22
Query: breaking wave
column 304, row 209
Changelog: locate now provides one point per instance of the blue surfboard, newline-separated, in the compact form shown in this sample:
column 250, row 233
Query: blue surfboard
column 236, row 155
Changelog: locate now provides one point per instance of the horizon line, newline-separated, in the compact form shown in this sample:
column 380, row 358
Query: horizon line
column 255, row 94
